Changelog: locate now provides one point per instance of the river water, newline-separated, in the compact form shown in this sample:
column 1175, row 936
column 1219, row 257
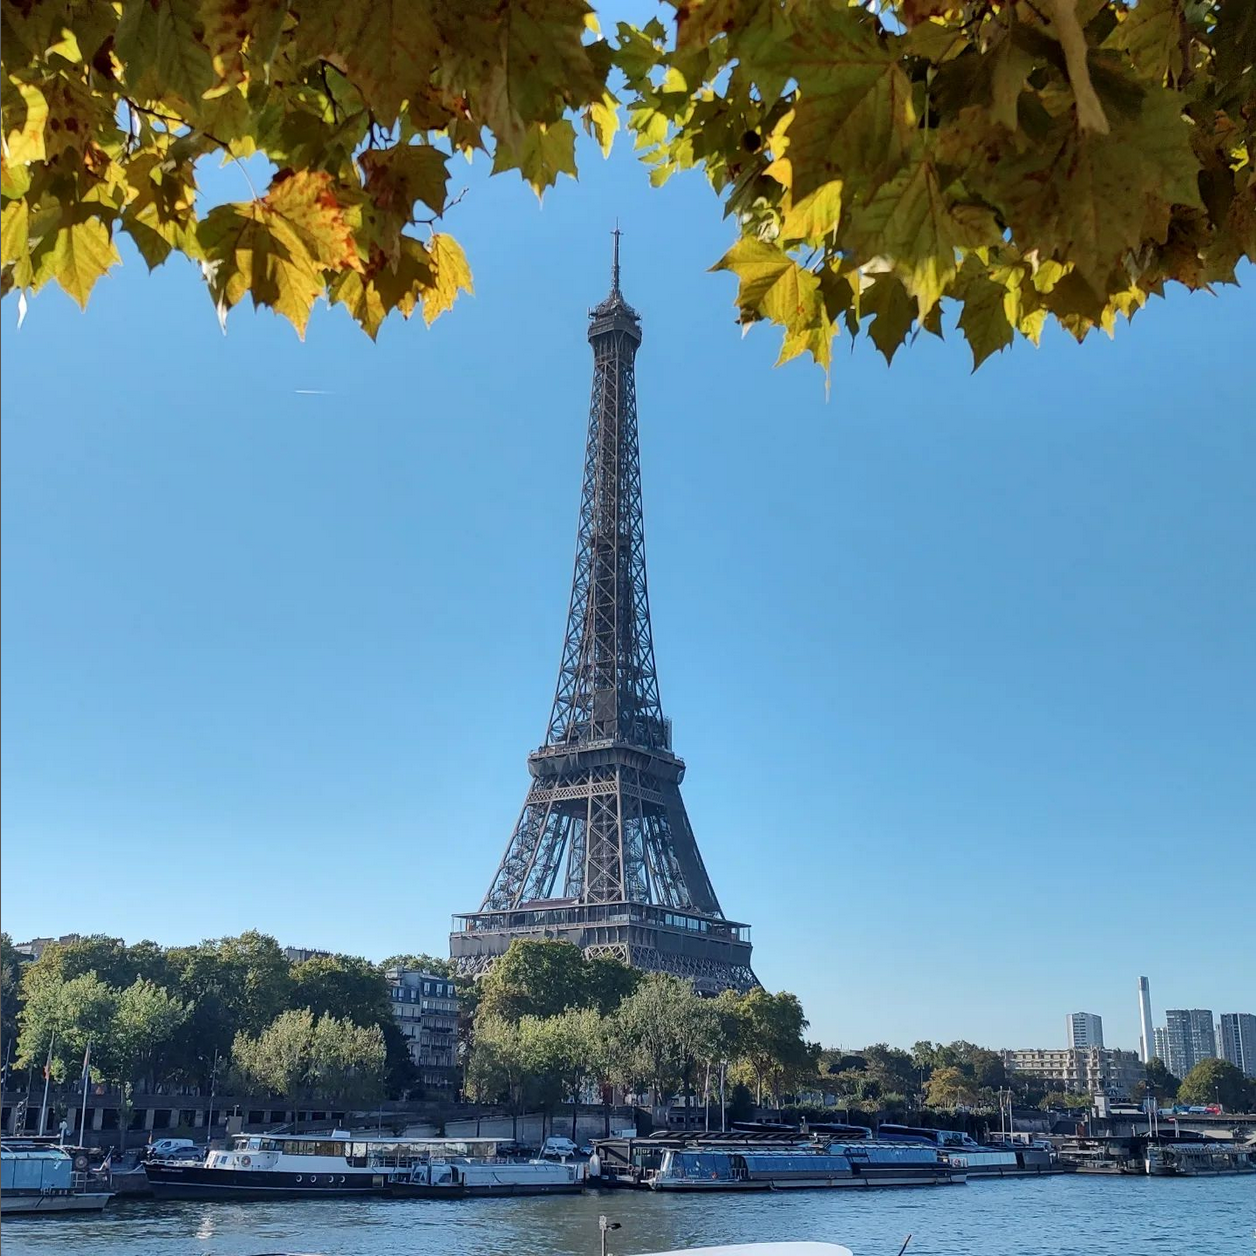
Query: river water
column 1056, row 1216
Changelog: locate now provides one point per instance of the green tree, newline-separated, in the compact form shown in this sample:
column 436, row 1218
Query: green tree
column 1020, row 162
column 950, row 1087
column 146, row 1017
column 65, row 1015
column 500, row 1064
column 570, row 1048
column 235, row 985
column 892, row 1069
column 344, row 986
column 771, row 1039
column 279, row 1058
column 1218, row 1081
column 539, row 979
column 10, row 995
column 299, row 1056
column 347, row 1061
column 650, row 1023
column 926, row 1056
column 608, row 982
column 1161, row 1082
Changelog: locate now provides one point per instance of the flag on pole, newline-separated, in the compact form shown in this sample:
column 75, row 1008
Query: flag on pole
column 87, row 1059
column 48, row 1061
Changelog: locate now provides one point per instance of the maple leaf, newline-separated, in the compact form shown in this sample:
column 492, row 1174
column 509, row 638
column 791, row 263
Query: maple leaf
column 544, row 57
column 910, row 218
column 983, row 319
column 159, row 44
column 81, row 253
column 1151, row 34
column 815, row 215
column 14, row 232
column 389, row 49
column 450, row 275
column 397, row 177
column 892, row 310
column 601, row 120
column 544, row 153
column 853, row 115
column 277, row 249
column 234, row 26
column 1091, row 198
column 772, row 285
column 25, row 117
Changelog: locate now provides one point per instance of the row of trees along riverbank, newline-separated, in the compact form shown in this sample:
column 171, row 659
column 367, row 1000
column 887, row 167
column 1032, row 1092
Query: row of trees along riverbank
column 546, row 1025
column 233, row 1011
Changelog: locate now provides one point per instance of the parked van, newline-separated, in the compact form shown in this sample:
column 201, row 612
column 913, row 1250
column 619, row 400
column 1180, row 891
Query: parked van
column 557, row 1149
column 171, row 1149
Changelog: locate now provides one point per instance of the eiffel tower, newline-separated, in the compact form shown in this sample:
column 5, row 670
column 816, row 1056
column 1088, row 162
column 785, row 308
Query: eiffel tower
column 603, row 855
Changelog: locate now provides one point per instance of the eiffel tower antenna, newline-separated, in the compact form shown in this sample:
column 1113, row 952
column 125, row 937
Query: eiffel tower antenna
column 603, row 854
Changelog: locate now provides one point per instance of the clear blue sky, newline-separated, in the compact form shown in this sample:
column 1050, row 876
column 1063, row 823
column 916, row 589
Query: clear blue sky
column 963, row 667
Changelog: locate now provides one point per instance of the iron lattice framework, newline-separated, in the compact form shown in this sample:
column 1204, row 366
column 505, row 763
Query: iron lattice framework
column 604, row 811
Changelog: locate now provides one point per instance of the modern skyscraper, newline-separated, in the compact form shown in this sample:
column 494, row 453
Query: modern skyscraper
column 1190, row 1037
column 1085, row 1029
column 1238, row 1040
column 603, row 854
column 1147, row 1039
column 1162, row 1046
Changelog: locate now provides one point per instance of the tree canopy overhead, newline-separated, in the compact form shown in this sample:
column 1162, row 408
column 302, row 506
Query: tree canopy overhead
column 1026, row 159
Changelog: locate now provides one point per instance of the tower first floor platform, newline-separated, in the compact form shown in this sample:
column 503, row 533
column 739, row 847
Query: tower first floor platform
column 712, row 953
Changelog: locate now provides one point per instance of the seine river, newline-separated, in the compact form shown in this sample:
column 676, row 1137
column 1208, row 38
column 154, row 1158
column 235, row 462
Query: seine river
column 1061, row 1216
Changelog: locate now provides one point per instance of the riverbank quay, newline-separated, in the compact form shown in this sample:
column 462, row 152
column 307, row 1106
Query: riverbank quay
column 151, row 1116
column 1052, row 1216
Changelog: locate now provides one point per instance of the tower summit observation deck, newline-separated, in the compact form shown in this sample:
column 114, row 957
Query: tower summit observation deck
column 603, row 855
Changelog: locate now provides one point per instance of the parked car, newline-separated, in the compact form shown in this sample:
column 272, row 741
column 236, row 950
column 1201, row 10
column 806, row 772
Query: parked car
column 586, row 1149
column 171, row 1149
column 556, row 1148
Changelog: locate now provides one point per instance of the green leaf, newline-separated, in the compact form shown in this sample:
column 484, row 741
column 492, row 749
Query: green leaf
column 397, row 177
column 893, row 313
column 81, row 253
column 772, row 285
column 159, row 43
column 451, row 275
column 1092, row 198
column 910, row 219
column 14, row 236
column 276, row 249
column 854, row 115
column 545, row 153
column 984, row 320
column 25, row 116
column 1151, row 34
column 601, row 120
column 388, row 49
column 815, row 216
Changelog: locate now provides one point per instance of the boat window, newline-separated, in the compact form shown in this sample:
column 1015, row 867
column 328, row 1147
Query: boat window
column 330, row 1149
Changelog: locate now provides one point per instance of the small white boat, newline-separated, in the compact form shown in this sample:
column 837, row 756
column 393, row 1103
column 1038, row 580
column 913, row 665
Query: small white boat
column 37, row 1178
column 455, row 1179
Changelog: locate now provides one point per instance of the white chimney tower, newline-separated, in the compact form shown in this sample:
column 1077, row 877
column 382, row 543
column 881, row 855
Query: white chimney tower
column 1147, row 1041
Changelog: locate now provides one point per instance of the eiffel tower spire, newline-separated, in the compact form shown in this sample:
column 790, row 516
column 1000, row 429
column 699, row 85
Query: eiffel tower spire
column 603, row 854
